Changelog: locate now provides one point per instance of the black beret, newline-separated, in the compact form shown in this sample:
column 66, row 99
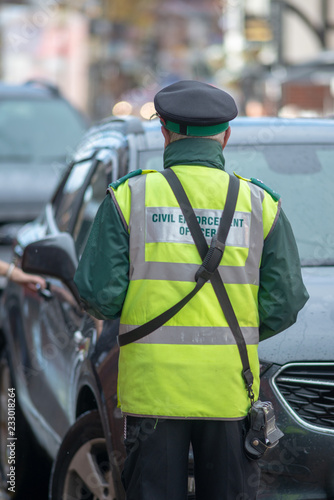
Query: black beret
column 194, row 108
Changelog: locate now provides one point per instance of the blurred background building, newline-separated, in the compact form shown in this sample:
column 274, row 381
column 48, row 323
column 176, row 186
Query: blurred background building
column 112, row 56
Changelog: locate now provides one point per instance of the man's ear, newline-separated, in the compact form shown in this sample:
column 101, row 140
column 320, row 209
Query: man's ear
column 166, row 135
column 227, row 136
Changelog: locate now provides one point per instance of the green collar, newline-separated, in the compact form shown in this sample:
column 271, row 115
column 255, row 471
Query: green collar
column 195, row 151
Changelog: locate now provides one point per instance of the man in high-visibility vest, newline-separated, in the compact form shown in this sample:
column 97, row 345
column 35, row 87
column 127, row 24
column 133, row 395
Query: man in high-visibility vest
column 182, row 384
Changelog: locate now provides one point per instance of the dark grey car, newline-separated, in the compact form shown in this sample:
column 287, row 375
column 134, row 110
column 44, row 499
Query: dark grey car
column 48, row 346
column 296, row 158
column 38, row 131
column 65, row 378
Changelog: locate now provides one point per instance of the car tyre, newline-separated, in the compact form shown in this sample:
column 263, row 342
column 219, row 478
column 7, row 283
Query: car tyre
column 82, row 467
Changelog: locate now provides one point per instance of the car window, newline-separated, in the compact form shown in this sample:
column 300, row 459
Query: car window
column 150, row 159
column 38, row 130
column 71, row 194
column 94, row 195
column 303, row 175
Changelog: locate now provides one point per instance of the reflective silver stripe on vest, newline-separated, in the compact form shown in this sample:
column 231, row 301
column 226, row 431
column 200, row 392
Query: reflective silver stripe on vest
column 194, row 335
column 167, row 225
column 256, row 239
column 141, row 269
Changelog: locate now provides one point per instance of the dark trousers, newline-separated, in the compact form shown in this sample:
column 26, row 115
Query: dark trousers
column 156, row 467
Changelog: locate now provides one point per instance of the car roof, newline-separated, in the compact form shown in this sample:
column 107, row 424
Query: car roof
column 114, row 132
column 267, row 130
column 33, row 89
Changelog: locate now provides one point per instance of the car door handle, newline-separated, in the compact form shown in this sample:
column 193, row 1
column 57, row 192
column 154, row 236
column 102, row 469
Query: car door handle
column 82, row 343
column 78, row 337
column 44, row 292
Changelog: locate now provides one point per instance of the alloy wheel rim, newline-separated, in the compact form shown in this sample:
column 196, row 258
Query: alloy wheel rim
column 88, row 475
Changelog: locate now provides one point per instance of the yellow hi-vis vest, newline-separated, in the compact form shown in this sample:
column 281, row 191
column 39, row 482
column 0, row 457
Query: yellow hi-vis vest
column 190, row 367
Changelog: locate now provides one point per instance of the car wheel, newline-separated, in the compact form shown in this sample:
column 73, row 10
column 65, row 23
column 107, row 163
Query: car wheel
column 82, row 467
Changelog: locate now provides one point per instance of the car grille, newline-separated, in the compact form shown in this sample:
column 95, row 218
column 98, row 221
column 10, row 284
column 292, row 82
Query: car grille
column 308, row 390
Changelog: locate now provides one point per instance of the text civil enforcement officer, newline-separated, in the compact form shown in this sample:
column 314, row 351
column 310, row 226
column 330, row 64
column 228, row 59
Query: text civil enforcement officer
column 182, row 383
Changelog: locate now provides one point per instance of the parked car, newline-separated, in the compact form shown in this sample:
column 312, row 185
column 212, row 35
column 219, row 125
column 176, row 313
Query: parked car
column 49, row 350
column 296, row 158
column 64, row 368
column 38, row 129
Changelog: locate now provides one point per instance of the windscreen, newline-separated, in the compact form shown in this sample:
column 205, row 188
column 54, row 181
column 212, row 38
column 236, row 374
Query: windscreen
column 304, row 177
column 37, row 130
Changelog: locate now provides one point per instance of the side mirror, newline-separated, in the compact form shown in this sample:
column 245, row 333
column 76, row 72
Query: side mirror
column 53, row 256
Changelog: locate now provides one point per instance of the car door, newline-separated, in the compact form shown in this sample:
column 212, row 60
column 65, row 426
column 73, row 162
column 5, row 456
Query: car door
column 60, row 336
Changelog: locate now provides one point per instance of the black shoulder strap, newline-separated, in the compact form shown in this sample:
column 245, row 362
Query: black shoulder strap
column 201, row 278
column 202, row 247
column 155, row 323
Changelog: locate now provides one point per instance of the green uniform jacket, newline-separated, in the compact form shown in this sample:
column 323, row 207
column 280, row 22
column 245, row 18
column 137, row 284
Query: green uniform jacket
column 102, row 274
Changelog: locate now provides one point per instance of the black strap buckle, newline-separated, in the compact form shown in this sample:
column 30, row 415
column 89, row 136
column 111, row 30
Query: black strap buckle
column 248, row 376
column 211, row 260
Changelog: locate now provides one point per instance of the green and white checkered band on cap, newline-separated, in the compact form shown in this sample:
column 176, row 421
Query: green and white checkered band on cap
column 194, row 108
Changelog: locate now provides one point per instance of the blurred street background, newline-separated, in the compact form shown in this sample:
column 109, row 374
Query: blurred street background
column 275, row 56
column 110, row 57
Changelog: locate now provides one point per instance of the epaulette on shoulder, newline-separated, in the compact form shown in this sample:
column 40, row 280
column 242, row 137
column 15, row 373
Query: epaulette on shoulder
column 134, row 173
column 121, row 180
column 261, row 184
